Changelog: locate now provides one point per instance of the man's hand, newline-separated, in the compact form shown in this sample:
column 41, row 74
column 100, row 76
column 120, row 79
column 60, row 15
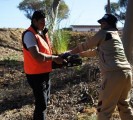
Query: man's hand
column 72, row 59
column 58, row 59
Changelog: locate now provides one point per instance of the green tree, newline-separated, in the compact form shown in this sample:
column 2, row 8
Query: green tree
column 56, row 10
column 29, row 6
column 118, row 9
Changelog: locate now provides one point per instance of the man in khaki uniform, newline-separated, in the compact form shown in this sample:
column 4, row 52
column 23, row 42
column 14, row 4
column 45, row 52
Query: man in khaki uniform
column 116, row 70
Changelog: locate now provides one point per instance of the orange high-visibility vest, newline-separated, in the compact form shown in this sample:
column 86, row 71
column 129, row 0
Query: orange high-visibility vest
column 32, row 66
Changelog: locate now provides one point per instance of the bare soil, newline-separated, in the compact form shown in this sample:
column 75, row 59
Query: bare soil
column 74, row 90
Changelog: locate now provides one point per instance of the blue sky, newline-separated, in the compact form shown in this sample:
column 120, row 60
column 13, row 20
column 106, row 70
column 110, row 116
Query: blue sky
column 82, row 12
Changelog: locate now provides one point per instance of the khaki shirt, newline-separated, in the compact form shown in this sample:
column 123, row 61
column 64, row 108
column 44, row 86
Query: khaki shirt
column 109, row 49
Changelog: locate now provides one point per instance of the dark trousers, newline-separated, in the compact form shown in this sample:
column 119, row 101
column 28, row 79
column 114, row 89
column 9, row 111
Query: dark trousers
column 40, row 85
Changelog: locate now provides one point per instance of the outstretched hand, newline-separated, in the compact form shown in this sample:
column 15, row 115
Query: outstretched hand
column 59, row 60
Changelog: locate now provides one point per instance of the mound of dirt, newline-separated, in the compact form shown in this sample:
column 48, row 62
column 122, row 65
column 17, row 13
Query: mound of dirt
column 74, row 91
column 10, row 43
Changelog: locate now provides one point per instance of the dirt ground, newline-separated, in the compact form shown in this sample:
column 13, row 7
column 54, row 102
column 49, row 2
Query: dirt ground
column 74, row 91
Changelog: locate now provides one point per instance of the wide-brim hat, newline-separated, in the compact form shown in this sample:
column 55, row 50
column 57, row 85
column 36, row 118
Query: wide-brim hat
column 110, row 19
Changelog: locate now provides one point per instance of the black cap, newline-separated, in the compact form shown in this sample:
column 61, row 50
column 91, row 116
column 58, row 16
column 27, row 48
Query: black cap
column 38, row 15
column 110, row 19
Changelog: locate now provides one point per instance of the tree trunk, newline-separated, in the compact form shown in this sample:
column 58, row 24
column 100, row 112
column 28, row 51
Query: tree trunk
column 55, row 7
column 127, row 37
column 108, row 7
column 52, row 17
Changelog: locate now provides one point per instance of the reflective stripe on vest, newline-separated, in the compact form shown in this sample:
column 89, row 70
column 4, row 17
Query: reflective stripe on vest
column 31, row 66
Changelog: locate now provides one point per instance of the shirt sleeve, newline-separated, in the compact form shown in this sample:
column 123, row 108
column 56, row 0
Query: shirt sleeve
column 94, row 41
column 89, row 53
column 29, row 39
